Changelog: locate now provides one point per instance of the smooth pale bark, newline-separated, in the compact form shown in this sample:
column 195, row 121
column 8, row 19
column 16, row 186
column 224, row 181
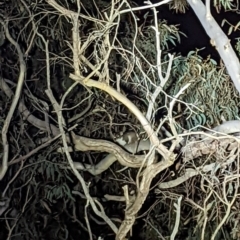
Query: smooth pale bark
column 219, row 40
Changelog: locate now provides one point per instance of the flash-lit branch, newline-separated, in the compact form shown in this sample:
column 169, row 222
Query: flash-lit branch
column 15, row 100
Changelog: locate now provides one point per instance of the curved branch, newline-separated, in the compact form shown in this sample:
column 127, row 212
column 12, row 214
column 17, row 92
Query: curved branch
column 190, row 151
column 25, row 112
column 190, row 172
column 169, row 156
column 104, row 164
column 116, row 152
column 4, row 167
column 228, row 127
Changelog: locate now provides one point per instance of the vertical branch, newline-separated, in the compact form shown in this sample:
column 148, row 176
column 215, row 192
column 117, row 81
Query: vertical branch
column 208, row 10
column 16, row 97
column 178, row 216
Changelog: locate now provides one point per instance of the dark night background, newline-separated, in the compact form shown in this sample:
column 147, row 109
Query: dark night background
column 196, row 35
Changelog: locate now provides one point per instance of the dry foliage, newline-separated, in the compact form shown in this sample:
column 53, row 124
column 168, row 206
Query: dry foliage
column 102, row 129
